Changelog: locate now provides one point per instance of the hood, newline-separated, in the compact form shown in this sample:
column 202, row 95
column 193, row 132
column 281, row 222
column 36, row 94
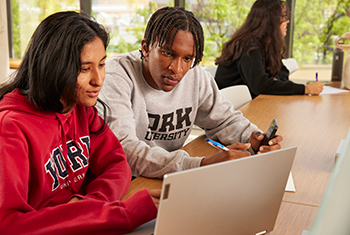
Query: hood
column 16, row 101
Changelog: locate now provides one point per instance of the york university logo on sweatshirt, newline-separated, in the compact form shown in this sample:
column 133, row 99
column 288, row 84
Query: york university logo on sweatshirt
column 56, row 166
column 169, row 126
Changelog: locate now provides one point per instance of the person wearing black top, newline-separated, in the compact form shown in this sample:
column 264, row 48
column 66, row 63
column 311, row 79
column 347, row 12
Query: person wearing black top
column 253, row 56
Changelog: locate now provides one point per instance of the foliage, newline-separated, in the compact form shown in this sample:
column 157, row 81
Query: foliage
column 313, row 35
column 316, row 31
column 137, row 29
column 27, row 14
column 15, row 30
column 220, row 19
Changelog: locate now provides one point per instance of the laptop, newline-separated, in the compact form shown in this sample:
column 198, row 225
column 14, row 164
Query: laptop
column 241, row 196
column 334, row 212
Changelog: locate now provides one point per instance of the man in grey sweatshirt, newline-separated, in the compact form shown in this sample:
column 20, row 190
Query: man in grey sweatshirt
column 157, row 94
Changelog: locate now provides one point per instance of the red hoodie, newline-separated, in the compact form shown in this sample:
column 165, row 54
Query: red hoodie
column 47, row 158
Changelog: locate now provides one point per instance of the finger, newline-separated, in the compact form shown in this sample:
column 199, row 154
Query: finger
column 222, row 156
column 258, row 135
column 75, row 199
column 234, row 154
column 239, row 146
column 240, row 154
column 275, row 140
column 155, row 192
column 156, row 202
column 265, row 148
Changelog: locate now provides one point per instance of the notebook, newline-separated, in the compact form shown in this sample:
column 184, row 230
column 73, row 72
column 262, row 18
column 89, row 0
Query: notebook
column 241, row 196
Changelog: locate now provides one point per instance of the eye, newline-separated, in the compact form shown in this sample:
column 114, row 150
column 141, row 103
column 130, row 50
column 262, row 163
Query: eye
column 166, row 53
column 84, row 70
column 188, row 59
column 102, row 65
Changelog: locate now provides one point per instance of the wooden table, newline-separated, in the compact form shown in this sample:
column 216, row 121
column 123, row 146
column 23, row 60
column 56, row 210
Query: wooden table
column 316, row 125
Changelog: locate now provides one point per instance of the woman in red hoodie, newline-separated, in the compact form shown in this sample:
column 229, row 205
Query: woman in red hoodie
column 62, row 170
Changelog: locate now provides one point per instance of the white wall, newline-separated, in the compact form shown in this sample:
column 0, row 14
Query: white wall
column 4, row 52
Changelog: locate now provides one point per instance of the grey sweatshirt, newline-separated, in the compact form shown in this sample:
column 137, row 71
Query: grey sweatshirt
column 152, row 125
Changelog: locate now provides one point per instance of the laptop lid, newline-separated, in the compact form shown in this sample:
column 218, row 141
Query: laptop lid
column 334, row 212
column 242, row 196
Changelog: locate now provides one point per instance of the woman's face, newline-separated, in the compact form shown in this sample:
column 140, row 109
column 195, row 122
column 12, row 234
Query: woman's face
column 284, row 22
column 92, row 73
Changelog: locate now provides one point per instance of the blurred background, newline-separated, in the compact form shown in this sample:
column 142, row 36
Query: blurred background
column 314, row 24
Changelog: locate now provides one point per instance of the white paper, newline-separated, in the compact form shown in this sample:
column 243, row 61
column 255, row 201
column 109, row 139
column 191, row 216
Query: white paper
column 332, row 90
column 290, row 184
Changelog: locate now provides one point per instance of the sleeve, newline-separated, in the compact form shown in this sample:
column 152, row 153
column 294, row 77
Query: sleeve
column 219, row 119
column 122, row 96
column 89, row 216
column 252, row 69
column 283, row 74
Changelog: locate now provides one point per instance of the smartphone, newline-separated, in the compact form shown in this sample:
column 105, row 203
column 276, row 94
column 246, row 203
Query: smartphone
column 270, row 133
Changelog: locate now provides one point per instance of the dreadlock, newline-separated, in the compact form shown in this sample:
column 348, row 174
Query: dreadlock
column 167, row 19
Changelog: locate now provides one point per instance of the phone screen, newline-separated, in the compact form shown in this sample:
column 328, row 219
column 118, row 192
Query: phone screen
column 270, row 133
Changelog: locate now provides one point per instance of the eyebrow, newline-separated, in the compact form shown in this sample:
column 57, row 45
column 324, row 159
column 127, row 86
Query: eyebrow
column 173, row 51
column 91, row 62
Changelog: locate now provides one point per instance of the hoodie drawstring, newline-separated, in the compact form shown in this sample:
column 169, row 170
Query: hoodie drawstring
column 65, row 154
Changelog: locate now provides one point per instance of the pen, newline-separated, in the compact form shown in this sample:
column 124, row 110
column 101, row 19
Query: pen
column 316, row 76
column 216, row 144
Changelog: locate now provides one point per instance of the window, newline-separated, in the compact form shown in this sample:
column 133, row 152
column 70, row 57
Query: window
column 314, row 33
column 26, row 15
column 125, row 20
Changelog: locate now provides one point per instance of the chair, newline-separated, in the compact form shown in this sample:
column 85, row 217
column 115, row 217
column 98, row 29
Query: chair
column 291, row 64
column 211, row 70
column 238, row 95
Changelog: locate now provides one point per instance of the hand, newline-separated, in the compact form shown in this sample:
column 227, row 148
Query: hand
column 256, row 139
column 314, row 88
column 75, row 199
column 155, row 194
column 236, row 151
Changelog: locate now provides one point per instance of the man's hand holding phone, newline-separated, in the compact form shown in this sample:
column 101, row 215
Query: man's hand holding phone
column 269, row 141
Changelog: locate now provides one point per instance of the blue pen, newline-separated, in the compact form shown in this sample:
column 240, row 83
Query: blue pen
column 316, row 77
column 216, row 144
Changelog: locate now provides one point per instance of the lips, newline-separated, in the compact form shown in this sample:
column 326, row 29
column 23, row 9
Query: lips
column 93, row 94
column 171, row 80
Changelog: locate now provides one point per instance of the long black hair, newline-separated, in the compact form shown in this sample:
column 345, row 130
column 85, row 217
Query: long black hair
column 262, row 26
column 52, row 62
column 162, row 23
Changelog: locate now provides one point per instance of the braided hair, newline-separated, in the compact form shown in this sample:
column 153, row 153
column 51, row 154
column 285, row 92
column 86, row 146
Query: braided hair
column 162, row 23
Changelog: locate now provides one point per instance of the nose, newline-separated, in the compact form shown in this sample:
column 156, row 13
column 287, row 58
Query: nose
column 176, row 66
column 98, row 77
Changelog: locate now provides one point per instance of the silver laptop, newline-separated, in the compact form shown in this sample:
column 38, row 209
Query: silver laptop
column 334, row 212
column 241, row 197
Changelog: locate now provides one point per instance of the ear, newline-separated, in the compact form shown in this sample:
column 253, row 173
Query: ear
column 144, row 48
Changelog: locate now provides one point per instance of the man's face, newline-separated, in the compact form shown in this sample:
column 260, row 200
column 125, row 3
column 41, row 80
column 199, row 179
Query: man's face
column 163, row 69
